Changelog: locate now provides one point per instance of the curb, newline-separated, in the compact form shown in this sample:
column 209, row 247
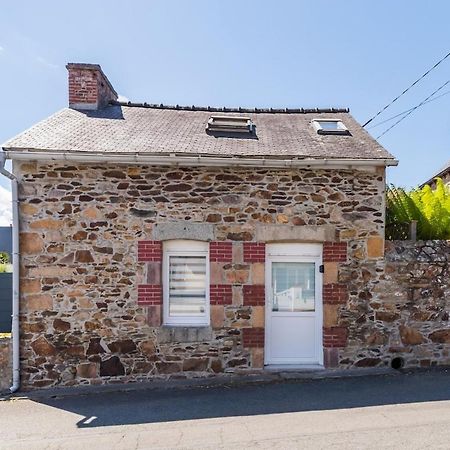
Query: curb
column 232, row 380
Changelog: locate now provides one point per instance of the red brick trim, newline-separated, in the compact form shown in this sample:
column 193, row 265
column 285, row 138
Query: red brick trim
column 220, row 251
column 335, row 337
column 253, row 337
column 254, row 295
column 254, row 252
column 149, row 294
column 335, row 252
column 335, row 294
column 150, row 251
column 220, row 294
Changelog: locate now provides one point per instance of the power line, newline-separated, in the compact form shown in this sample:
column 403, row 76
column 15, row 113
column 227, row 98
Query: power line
column 408, row 110
column 413, row 109
column 407, row 89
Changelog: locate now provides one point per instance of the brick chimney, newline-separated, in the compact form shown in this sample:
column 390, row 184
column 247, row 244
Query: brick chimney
column 88, row 87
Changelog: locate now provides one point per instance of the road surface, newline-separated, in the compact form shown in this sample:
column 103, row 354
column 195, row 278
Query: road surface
column 408, row 411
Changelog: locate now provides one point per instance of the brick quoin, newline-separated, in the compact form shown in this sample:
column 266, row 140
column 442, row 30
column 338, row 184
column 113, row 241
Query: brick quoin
column 254, row 295
column 254, row 252
column 253, row 337
column 335, row 294
column 221, row 251
column 335, row 337
column 150, row 251
column 149, row 294
column 335, row 251
column 220, row 294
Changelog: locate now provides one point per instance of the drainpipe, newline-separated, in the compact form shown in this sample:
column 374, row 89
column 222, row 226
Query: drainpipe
column 15, row 253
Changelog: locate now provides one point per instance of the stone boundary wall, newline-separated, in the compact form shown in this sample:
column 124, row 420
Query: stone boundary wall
column 5, row 363
column 399, row 308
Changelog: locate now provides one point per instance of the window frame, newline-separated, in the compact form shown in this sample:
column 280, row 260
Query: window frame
column 180, row 247
column 234, row 124
column 341, row 128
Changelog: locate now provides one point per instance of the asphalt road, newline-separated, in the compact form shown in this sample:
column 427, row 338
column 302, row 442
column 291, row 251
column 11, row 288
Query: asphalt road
column 405, row 411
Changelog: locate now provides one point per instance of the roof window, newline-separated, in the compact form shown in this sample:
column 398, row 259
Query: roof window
column 232, row 124
column 329, row 126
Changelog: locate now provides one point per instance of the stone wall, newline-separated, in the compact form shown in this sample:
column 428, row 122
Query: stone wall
column 399, row 308
column 5, row 363
column 89, row 233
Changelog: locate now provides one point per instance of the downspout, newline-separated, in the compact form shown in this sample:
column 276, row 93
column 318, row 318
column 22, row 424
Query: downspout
column 15, row 253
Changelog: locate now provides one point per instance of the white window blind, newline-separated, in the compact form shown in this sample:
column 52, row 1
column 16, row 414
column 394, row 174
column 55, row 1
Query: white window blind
column 187, row 285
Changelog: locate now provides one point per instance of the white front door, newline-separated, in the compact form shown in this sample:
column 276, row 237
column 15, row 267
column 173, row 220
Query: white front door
column 293, row 304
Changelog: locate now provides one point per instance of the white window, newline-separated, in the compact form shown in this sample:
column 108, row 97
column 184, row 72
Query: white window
column 329, row 126
column 186, row 283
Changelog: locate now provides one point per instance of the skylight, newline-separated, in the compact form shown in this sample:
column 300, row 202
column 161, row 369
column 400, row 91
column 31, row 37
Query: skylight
column 329, row 126
column 232, row 124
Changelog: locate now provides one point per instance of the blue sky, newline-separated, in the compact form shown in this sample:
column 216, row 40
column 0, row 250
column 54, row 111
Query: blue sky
column 358, row 54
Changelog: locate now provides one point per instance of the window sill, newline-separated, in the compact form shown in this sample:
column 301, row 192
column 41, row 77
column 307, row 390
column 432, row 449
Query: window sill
column 184, row 333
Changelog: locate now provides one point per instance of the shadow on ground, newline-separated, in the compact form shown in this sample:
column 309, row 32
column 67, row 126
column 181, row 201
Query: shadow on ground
column 151, row 406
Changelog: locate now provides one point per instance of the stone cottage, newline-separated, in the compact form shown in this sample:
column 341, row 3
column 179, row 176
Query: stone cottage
column 160, row 241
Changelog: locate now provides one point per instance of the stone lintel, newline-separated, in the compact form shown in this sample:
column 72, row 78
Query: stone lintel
column 288, row 233
column 183, row 230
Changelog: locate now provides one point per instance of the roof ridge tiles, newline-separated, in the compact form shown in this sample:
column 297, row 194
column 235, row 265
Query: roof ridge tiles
column 233, row 109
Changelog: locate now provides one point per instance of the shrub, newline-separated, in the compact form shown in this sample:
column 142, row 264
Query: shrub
column 430, row 208
column 4, row 258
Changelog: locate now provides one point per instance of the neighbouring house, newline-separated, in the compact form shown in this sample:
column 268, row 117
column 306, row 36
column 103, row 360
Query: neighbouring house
column 160, row 241
column 443, row 173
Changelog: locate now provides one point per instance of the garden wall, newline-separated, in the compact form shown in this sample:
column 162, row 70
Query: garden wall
column 400, row 307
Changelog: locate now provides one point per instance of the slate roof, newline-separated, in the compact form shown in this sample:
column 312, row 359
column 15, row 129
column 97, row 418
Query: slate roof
column 441, row 173
column 157, row 129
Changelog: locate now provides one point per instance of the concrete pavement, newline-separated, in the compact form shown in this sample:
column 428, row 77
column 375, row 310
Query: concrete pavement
column 410, row 410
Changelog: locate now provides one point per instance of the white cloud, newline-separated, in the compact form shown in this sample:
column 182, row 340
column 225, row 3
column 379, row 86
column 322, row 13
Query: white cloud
column 1, row 48
column 46, row 63
column 5, row 207
column 122, row 98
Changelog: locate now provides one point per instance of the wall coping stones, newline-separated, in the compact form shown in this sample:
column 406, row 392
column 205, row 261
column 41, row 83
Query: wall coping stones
column 183, row 230
column 304, row 233
column 432, row 251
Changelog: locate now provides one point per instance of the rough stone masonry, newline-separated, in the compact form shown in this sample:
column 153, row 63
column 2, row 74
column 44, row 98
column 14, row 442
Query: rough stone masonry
column 399, row 307
column 91, row 263
column 91, row 242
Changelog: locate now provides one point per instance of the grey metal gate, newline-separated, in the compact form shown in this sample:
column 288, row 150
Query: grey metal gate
column 5, row 302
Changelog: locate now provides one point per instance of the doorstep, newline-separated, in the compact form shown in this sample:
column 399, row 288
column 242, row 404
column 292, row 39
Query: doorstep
column 293, row 368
